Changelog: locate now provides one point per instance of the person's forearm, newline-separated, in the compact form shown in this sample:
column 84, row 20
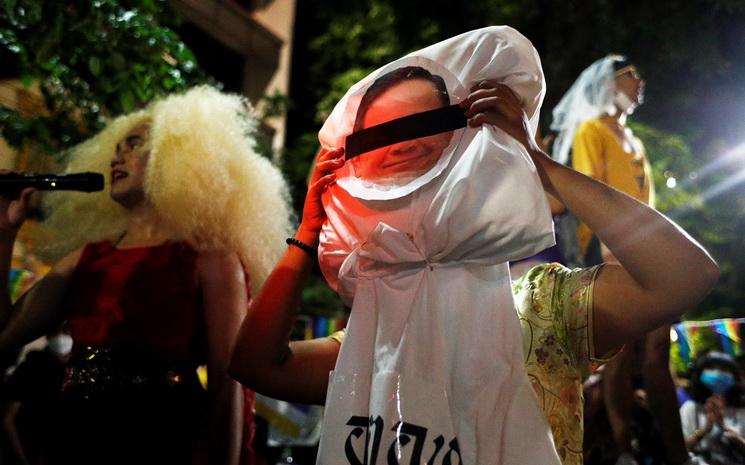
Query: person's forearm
column 224, row 435
column 694, row 438
column 655, row 252
column 263, row 341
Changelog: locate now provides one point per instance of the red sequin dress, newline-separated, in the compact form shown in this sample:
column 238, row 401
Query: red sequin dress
column 131, row 393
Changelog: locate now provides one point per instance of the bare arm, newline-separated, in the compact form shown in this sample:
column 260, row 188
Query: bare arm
column 13, row 213
column 264, row 359
column 662, row 272
column 39, row 310
column 223, row 284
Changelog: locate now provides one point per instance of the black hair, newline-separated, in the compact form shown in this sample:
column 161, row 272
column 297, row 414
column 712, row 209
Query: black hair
column 388, row 80
column 718, row 360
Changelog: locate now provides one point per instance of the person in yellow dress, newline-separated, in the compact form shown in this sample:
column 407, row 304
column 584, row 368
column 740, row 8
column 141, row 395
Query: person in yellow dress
column 593, row 136
column 594, row 139
column 606, row 149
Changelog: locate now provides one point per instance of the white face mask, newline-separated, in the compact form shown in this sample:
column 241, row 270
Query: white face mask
column 624, row 103
column 60, row 345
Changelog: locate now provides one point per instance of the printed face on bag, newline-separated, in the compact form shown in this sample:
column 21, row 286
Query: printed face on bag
column 395, row 99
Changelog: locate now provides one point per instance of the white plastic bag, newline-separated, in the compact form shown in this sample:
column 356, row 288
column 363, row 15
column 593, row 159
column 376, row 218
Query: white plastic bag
column 431, row 368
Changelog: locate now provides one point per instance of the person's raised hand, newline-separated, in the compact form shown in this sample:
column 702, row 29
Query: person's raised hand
column 13, row 210
column 491, row 102
column 327, row 161
column 715, row 410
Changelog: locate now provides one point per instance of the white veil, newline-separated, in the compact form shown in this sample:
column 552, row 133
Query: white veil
column 590, row 96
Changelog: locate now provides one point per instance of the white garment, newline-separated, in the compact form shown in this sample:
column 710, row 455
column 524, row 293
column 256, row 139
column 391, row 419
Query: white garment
column 431, row 368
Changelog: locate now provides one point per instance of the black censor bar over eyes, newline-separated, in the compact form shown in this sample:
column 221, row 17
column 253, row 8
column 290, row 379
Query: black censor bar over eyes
column 14, row 183
column 423, row 124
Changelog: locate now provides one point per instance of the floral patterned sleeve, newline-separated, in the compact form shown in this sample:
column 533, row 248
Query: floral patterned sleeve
column 573, row 292
column 554, row 305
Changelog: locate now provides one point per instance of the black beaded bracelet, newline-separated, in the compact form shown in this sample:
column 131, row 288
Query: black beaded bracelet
column 306, row 248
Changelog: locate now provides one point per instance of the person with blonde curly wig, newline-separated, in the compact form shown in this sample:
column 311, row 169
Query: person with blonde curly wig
column 154, row 281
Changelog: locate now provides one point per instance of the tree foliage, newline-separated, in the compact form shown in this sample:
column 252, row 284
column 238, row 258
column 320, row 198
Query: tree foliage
column 92, row 59
column 98, row 58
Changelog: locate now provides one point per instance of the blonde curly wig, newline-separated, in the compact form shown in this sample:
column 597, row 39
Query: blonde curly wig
column 204, row 180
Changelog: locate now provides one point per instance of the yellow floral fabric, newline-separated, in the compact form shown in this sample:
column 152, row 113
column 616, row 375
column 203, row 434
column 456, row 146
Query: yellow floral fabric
column 337, row 336
column 554, row 305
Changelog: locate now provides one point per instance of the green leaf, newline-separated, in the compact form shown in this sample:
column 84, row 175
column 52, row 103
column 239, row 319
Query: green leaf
column 126, row 101
column 117, row 60
column 94, row 65
column 9, row 8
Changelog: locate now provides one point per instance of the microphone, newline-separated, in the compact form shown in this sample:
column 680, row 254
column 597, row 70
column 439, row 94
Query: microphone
column 14, row 183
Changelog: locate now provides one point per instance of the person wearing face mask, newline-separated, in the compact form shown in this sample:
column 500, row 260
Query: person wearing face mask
column 30, row 399
column 714, row 419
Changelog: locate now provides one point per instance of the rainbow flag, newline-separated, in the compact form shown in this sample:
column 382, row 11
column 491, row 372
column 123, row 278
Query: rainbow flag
column 683, row 346
column 311, row 327
column 697, row 337
column 19, row 281
column 727, row 330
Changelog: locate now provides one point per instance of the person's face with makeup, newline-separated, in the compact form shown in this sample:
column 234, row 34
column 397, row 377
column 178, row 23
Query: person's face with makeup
column 411, row 158
column 128, row 167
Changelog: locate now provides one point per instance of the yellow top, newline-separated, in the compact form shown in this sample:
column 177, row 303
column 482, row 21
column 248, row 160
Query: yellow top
column 554, row 305
column 597, row 152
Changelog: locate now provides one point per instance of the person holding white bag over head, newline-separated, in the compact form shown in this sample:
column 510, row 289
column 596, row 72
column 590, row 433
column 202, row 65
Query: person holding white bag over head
column 417, row 241
column 434, row 366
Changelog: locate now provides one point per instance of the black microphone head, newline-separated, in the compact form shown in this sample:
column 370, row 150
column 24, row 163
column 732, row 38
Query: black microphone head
column 95, row 182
